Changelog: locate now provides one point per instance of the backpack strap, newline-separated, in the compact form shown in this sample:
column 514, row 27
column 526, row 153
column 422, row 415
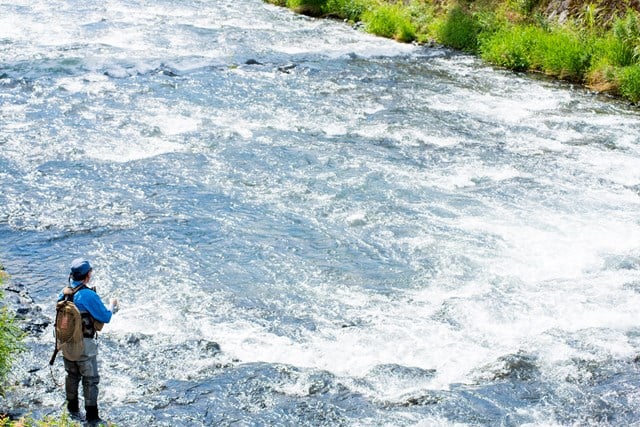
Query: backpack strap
column 68, row 292
column 89, row 327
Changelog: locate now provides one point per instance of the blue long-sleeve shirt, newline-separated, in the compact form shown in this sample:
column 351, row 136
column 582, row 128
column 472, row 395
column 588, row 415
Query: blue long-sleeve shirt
column 89, row 301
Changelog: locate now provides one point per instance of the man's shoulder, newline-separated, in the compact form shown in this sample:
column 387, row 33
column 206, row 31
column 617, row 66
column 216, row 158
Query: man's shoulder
column 86, row 295
column 86, row 292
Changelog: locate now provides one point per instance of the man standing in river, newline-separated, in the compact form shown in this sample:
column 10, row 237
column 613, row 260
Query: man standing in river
column 94, row 314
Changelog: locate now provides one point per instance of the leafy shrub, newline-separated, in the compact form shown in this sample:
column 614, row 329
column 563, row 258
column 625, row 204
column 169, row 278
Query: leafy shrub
column 351, row 10
column 459, row 30
column 63, row 421
column 390, row 20
column 561, row 53
column 11, row 343
column 423, row 16
column 307, row 7
column 510, row 47
column 526, row 7
column 630, row 82
column 627, row 31
column 613, row 50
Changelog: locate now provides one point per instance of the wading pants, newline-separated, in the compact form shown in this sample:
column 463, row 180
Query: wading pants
column 85, row 370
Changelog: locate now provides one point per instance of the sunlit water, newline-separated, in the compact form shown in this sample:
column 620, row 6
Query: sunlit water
column 373, row 233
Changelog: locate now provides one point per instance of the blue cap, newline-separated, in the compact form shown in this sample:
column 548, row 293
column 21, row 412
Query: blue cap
column 80, row 267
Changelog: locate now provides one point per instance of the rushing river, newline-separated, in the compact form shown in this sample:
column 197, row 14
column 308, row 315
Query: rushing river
column 307, row 225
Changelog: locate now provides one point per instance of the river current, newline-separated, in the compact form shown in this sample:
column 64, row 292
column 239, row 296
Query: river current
column 307, row 225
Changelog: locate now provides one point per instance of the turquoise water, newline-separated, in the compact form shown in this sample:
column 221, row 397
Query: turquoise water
column 308, row 225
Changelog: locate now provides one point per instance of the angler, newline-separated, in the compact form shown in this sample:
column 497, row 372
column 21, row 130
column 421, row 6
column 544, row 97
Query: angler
column 80, row 315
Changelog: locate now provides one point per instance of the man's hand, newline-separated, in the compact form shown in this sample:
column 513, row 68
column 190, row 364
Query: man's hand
column 113, row 306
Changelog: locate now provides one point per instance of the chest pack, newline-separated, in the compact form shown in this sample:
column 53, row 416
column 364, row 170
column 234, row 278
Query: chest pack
column 72, row 326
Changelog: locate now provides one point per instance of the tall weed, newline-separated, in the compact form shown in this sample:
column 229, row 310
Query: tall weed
column 351, row 10
column 627, row 30
column 459, row 30
column 307, row 7
column 11, row 341
column 562, row 53
column 510, row 47
column 630, row 82
column 391, row 21
column 423, row 16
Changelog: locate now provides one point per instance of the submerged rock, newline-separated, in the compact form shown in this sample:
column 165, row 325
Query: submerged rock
column 30, row 316
column 287, row 68
column 519, row 366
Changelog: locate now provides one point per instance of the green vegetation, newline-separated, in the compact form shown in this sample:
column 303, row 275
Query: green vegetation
column 556, row 52
column 11, row 341
column 63, row 421
column 11, row 345
column 594, row 44
column 459, row 30
column 390, row 20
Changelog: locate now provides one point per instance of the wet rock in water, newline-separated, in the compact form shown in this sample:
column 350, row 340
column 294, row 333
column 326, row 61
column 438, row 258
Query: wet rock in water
column 256, row 394
column 287, row 68
column 33, row 369
column 252, row 62
column 520, row 366
column 632, row 286
column 30, row 316
column 401, row 372
column 133, row 339
column 426, row 399
column 210, row 347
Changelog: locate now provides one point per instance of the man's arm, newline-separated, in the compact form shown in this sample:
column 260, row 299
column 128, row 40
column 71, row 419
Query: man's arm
column 88, row 300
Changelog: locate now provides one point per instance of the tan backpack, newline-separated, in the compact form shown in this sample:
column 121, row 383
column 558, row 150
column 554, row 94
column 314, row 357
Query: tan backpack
column 68, row 327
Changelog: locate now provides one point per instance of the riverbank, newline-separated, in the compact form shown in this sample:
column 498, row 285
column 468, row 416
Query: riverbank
column 20, row 318
column 596, row 45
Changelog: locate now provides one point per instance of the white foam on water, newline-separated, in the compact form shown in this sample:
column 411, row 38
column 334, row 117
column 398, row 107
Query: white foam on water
column 172, row 124
column 137, row 148
column 234, row 125
column 396, row 333
column 616, row 166
column 338, row 41
column 131, row 39
column 549, row 269
column 93, row 83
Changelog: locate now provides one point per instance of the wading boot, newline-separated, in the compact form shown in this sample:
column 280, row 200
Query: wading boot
column 74, row 410
column 93, row 419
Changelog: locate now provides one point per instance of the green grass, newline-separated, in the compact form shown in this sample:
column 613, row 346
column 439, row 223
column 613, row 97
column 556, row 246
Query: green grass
column 307, row 7
column 562, row 53
column 63, row 421
column 49, row 421
column 510, row 47
column 629, row 78
column 391, row 21
column 351, row 10
column 11, row 345
column 11, row 341
column 459, row 30
column 559, row 52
